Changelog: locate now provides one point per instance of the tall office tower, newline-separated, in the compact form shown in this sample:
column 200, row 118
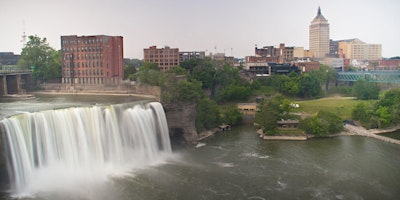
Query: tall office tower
column 94, row 59
column 319, row 36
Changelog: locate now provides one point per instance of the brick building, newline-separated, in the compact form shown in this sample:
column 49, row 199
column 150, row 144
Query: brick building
column 308, row 66
column 165, row 57
column 92, row 59
column 279, row 54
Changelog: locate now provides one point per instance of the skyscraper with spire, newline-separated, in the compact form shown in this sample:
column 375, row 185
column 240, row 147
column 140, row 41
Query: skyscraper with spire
column 319, row 36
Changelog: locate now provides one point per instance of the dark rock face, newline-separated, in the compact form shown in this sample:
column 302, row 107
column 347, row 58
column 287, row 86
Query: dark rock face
column 181, row 118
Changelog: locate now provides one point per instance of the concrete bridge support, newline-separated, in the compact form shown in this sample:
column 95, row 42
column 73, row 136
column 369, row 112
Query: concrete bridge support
column 15, row 83
column 3, row 86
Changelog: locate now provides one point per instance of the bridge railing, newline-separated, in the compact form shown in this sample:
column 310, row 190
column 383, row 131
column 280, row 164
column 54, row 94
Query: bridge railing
column 378, row 76
column 14, row 71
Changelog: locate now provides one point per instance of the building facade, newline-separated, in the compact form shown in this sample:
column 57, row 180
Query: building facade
column 280, row 54
column 355, row 49
column 8, row 59
column 188, row 55
column 92, row 59
column 166, row 57
column 319, row 36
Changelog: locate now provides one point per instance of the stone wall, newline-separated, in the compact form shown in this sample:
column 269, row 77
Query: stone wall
column 181, row 118
column 105, row 88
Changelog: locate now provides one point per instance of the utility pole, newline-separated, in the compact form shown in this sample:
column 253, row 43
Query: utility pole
column 23, row 41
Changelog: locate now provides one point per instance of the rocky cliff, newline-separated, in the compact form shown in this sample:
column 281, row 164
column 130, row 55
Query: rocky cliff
column 181, row 118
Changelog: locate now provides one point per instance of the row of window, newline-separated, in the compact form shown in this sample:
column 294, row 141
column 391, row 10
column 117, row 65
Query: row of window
column 168, row 64
column 161, row 60
column 82, row 49
column 85, row 64
column 83, row 41
column 84, row 56
column 98, row 80
column 83, row 72
column 161, row 56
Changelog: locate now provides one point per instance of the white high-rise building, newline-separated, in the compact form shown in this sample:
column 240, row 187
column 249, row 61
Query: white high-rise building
column 319, row 36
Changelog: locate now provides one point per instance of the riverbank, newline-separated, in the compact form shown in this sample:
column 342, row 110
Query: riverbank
column 17, row 97
column 374, row 133
column 349, row 130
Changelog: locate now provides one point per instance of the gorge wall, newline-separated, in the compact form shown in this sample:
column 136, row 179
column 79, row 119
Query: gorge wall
column 181, row 119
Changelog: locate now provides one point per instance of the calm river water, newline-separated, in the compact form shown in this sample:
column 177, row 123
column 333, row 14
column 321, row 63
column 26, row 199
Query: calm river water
column 239, row 165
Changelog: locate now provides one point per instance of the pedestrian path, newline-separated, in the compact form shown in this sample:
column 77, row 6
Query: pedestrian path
column 357, row 130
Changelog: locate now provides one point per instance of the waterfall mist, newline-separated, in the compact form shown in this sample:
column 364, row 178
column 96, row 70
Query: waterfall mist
column 55, row 149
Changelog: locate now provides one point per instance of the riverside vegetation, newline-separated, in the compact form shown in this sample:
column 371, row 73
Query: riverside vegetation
column 216, row 88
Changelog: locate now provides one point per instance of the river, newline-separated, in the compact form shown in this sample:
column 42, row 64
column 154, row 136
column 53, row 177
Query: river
column 238, row 165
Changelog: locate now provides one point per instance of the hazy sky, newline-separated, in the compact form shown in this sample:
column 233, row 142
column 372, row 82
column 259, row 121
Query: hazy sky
column 230, row 26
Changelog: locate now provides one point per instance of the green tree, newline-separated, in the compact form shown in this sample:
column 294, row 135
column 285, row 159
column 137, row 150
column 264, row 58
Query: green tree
column 333, row 122
column 362, row 113
column 309, row 86
column 177, row 70
column 384, row 116
column 232, row 92
column 391, row 100
column 314, row 126
column 150, row 74
column 45, row 61
column 207, row 116
column 365, row 90
column 231, row 115
column 129, row 70
column 52, row 71
column 322, row 124
column 328, row 75
column 270, row 111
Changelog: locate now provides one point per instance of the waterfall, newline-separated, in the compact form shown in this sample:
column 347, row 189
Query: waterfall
column 53, row 148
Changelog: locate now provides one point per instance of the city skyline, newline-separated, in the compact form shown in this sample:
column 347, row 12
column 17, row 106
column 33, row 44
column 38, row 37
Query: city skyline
column 232, row 27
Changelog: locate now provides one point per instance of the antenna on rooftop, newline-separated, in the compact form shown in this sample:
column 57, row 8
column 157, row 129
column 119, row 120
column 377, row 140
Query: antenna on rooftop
column 23, row 41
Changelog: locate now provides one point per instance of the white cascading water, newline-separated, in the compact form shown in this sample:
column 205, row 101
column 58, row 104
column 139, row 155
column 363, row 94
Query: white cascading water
column 56, row 148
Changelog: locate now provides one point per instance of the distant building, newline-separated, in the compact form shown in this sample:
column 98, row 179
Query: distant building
column 298, row 52
column 284, row 69
column 222, row 58
column 188, row 55
column 279, row 54
column 307, row 66
column 337, row 63
column 355, row 49
column 319, row 36
column 94, row 59
column 256, row 59
column 334, row 48
column 8, row 58
column 166, row 57
column 389, row 64
column 257, row 68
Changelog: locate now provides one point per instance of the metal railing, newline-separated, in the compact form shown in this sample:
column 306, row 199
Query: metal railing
column 378, row 76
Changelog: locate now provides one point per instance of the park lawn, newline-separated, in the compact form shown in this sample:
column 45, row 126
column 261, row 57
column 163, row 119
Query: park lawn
column 341, row 106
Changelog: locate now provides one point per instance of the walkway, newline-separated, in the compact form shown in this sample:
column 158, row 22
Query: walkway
column 357, row 130
column 378, row 76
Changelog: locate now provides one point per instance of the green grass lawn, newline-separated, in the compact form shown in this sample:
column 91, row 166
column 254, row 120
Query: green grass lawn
column 341, row 106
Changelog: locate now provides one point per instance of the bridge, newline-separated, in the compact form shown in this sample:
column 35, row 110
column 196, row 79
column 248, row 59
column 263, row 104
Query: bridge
column 14, row 81
column 378, row 76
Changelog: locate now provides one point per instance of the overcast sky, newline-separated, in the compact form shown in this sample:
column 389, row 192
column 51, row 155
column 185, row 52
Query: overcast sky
column 230, row 26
